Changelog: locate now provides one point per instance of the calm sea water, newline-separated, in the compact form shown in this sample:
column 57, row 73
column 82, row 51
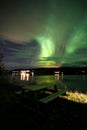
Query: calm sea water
column 70, row 82
column 76, row 82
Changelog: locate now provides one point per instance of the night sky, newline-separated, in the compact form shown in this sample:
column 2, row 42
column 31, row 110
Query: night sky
column 43, row 33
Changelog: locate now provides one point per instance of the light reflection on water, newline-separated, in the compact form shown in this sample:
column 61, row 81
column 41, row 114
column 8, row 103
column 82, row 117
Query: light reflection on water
column 71, row 82
column 24, row 76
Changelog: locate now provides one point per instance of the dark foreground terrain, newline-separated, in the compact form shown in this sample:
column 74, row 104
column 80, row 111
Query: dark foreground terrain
column 59, row 114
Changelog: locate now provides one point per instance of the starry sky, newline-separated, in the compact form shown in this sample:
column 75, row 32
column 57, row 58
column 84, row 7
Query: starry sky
column 43, row 33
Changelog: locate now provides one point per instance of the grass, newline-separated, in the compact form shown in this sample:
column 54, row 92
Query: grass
column 76, row 97
column 7, row 92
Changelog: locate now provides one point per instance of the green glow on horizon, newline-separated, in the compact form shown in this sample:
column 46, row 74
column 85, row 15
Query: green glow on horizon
column 47, row 47
column 47, row 50
column 46, row 40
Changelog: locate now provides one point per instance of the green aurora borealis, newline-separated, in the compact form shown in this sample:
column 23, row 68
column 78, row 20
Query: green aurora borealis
column 58, row 26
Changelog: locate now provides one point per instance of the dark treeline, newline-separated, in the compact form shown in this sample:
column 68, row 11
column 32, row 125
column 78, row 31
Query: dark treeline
column 51, row 71
column 65, row 70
